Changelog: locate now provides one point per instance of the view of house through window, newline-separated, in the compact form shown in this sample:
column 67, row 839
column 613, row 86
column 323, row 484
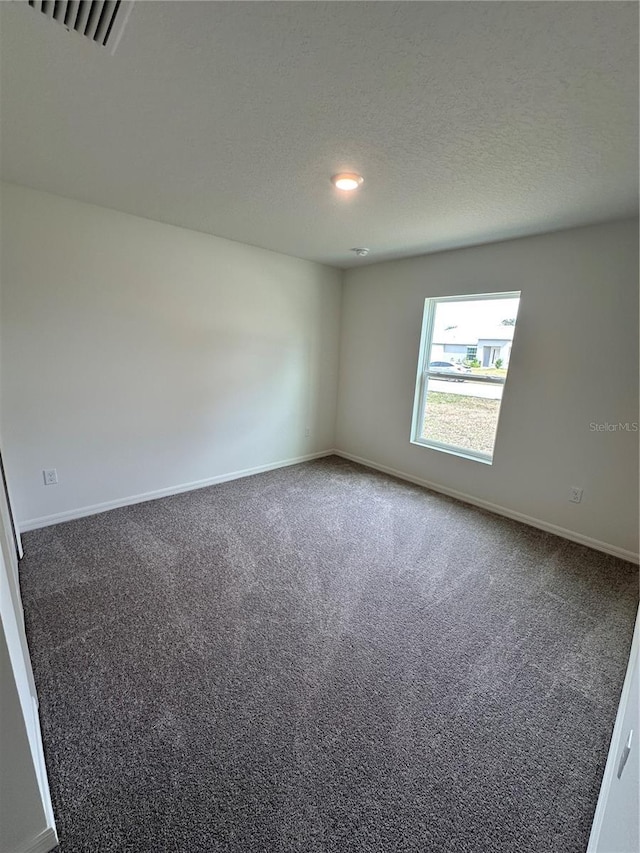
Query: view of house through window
column 464, row 362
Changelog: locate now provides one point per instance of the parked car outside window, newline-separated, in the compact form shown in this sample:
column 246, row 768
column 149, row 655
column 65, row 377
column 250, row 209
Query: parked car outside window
column 448, row 367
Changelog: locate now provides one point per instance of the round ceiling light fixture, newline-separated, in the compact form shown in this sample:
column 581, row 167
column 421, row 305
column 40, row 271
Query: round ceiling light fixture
column 347, row 181
column 361, row 251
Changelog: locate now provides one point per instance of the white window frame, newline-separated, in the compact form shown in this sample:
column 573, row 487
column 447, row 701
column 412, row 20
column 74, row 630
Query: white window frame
column 423, row 374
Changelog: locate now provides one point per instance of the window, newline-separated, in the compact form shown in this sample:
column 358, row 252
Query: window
column 463, row 366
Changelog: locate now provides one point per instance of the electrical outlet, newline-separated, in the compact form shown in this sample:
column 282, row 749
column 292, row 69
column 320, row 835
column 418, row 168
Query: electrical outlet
column 307, row 432
column 575, row 494
column 50, row 476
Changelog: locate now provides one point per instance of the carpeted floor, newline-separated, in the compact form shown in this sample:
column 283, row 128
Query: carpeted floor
column 327, row 660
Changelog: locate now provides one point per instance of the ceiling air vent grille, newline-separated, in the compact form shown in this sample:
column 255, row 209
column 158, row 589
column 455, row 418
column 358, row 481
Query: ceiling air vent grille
column 102, row 21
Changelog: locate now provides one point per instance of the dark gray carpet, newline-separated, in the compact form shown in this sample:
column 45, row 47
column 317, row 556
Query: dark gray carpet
column 323, row 659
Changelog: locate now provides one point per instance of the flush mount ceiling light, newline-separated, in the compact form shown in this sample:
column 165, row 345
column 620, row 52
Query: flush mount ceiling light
column 361, row 251
column 347, row 181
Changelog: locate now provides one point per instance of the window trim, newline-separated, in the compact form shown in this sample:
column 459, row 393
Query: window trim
column 423, row 373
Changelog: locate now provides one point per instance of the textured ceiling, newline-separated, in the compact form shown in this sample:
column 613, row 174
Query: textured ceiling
column 471, row 122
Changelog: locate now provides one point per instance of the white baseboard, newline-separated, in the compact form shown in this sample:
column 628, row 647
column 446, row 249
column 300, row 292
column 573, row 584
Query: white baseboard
column 94, row 509
column 41, row 843
column 596, row 544
column 69, row 515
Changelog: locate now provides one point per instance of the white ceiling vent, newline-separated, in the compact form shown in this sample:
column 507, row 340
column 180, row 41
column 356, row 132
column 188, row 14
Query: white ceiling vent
column 102, row 21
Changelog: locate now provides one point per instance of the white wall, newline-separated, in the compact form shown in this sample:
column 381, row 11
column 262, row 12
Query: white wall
column 579, row 305
column 138, row 356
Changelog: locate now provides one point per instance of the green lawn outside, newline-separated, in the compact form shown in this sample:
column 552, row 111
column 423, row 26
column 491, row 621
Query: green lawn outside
column 468, row 422
column 489, row 371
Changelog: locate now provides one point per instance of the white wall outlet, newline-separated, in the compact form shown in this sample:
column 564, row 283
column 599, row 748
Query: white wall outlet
column 575, row 494
column 50, row 476
column 307, row 432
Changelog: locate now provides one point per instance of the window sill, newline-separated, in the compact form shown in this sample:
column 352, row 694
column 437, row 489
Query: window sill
column 453, row 451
